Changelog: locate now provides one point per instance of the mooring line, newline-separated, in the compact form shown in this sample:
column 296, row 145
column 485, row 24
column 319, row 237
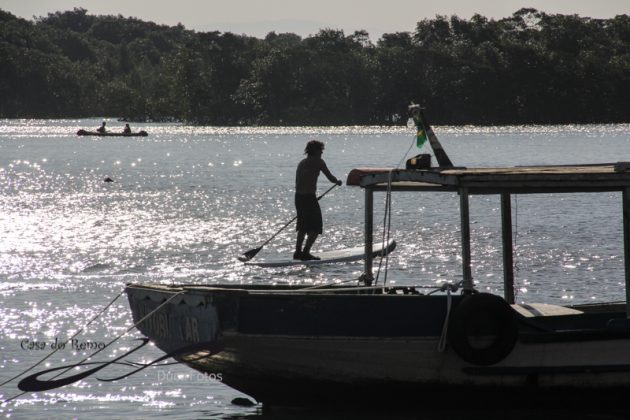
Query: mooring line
column 70, row 339
column 108, row 344
column 387, row 222
column 413, row 143
column 448, row 287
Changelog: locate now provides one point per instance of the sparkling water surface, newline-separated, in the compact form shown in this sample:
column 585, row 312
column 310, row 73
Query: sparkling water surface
column 185, row 201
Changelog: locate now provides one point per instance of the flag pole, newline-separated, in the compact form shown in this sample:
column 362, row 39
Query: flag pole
column 440, row 154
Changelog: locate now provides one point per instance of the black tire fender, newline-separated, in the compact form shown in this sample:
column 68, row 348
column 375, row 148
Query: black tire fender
column 482, row 329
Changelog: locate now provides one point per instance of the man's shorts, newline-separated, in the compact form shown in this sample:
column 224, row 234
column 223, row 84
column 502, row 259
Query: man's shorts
column 309, row 214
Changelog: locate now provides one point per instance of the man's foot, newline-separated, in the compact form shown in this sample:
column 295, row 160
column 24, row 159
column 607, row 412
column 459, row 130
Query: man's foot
column 309, row 256
column 297, row 255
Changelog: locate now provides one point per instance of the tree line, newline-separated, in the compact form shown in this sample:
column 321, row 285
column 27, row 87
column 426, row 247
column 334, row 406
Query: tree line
column 529, row 68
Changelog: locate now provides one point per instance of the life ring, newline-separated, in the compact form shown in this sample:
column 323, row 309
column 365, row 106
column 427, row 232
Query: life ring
column 482, row 329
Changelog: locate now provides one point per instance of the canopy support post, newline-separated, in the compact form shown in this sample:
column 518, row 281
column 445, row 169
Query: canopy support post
column 465, row 224
column 508, row 255
column 369, row 225
column 626, row 244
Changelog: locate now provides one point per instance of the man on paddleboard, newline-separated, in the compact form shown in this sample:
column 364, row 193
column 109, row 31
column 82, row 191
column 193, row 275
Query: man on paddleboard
column 309, row 214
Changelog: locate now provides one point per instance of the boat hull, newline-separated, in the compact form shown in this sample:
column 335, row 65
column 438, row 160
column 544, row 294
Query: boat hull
column 339, row 350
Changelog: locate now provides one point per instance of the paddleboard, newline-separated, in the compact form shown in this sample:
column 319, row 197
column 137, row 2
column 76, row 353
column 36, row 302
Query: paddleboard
column 327, row 257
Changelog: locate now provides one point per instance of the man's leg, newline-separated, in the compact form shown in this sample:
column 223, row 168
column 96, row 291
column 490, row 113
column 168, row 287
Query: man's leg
column 310, row 240
column 298, row 245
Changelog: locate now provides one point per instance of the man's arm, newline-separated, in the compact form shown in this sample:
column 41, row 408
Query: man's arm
column 329, row 175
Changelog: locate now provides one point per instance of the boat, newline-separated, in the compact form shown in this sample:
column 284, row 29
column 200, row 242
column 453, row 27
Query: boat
column 140, row 133
column 372, row 344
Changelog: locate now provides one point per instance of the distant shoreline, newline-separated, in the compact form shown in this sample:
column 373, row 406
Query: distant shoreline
column 528, row 68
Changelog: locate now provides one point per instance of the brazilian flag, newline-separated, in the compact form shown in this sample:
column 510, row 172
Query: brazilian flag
column 421, row 137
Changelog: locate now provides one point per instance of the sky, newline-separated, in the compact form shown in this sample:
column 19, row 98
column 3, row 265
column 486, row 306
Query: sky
column 259, row 17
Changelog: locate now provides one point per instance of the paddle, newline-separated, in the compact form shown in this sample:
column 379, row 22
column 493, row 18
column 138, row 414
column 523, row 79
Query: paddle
column 252, row 252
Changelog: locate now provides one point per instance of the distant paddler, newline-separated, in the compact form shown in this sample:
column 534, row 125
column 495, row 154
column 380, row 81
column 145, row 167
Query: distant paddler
column 102, row 128
column 127, row 129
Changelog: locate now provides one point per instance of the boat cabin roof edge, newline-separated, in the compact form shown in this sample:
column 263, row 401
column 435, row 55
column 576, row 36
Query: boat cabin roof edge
column 496, row 180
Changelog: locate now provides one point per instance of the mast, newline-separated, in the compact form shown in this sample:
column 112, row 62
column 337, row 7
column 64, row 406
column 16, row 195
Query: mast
column 417, row 113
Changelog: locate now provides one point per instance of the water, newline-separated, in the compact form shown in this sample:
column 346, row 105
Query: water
column 186, row 201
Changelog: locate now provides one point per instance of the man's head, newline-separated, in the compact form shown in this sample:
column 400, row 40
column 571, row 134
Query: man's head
column 314, row 148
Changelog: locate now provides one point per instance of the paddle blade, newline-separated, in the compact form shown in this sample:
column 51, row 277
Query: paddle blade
column 249, row 254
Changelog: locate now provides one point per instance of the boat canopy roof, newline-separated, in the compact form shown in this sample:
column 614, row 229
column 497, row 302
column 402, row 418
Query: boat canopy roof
column 504, row 181
column 497, row 180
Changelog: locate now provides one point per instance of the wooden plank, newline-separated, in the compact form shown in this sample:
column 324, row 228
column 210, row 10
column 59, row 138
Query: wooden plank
column 544, row 309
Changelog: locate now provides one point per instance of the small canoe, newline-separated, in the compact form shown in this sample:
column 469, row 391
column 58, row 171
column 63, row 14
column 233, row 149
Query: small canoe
column 112, row 134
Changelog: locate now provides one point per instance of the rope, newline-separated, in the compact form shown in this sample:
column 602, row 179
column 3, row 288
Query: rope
column 387, row 222
column 389, row 226
column 70, row 339
column 388, row 229
column 413, row 143
column 387, row 217
column 448, row 287
column 103, row 348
